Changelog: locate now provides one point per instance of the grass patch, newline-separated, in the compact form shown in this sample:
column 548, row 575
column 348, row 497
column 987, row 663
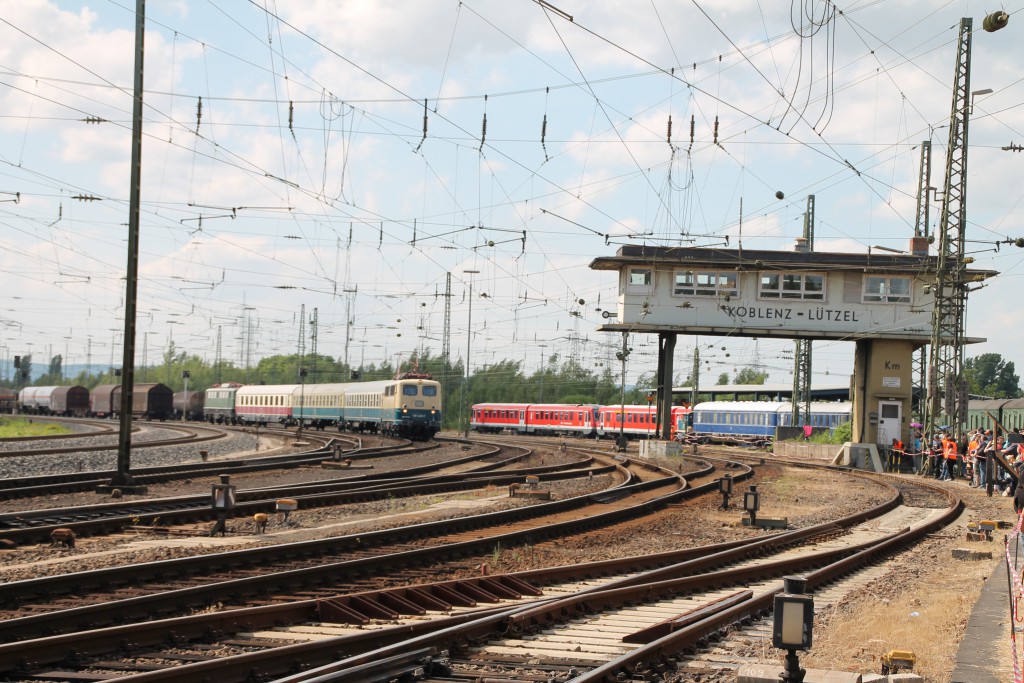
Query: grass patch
column 929, row 618
column 19, row 428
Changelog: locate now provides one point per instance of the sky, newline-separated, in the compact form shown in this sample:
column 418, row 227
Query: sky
column 345, row 161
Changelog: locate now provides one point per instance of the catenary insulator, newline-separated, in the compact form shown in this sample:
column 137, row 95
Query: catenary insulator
column 995, row 21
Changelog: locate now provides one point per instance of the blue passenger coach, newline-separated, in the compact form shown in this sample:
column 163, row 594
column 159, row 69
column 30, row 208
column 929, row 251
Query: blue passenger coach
column 760, row 419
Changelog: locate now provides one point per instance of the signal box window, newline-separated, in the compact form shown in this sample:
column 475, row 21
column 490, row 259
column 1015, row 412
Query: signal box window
column 805, row 286
column 640, row 281
column 887, row 290
column 705, row 283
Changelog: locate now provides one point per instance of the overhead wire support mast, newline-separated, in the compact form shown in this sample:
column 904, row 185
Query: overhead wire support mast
column 945, row 364
column 123, row 478
column 801, row 399
column 947, row 389
column 921, row 227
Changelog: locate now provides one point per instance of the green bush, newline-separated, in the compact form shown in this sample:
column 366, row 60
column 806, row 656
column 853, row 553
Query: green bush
column 840, row 434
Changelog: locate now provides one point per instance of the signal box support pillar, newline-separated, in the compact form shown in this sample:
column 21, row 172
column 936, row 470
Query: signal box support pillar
column 882, row 391
column 666, row 350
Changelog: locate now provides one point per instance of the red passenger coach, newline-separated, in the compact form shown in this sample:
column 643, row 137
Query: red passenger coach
column 496, row 417
column 682, row 419
column 641, row 421
column 563, row 419
column 535, row 418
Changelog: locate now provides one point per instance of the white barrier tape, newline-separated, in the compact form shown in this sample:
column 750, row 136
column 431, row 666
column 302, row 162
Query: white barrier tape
column 1015, row 588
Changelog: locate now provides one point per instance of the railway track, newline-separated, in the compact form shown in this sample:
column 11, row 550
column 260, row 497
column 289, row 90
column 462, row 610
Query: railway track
column 616, row 620
column 68, row 482
column 60, row 603
column 661, row 630
column 163, row 513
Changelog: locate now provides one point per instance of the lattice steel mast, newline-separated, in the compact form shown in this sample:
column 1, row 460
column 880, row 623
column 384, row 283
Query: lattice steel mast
column 801, row 399
column 946, row 387
column 924, row 181
column 446, row 342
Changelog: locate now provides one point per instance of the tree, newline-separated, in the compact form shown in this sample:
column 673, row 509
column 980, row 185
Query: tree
column 55, row 375
column 990, row 375
column 750, row 375
column 723, row 378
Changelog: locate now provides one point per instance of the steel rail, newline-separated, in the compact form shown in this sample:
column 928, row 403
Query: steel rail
column 663, row 649
column 655, row 567
column 690, row 562
column 50, row 483
column 148, row 606
column 37, row 525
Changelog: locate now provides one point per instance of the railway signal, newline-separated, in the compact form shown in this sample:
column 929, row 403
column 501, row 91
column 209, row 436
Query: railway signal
column 793, row 625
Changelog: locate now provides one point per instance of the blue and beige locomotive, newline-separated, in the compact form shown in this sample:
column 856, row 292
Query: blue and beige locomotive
column 407, row 406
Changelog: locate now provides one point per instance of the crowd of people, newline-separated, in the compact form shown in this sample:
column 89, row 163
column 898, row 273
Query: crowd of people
column 966, row 458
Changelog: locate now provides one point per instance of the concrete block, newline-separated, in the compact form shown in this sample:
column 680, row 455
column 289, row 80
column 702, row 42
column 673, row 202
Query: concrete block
column 773, row 523
column 534, row 495
column 967, row 554
column 905, row 677
column 767, row 673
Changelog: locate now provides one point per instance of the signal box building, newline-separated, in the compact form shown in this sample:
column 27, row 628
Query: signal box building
column 881, row 302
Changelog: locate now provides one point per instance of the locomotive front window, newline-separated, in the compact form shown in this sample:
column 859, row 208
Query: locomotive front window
column 430, row 390
column 410, row 390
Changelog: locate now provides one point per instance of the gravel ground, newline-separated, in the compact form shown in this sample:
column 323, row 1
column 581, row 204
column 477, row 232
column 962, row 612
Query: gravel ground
column 785, row 492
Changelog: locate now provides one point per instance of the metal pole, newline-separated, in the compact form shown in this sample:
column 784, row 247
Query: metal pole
column 469, row 340
column 185, row 403
column 302, row 401
column 124, row 441
column 623, row 355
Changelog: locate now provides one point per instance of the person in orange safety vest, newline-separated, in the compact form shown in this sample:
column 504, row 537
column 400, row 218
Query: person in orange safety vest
column 949, row 451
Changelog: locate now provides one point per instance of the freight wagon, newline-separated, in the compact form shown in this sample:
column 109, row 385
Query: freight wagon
column 188, row 405
column 66, row 401
column 149, row 401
